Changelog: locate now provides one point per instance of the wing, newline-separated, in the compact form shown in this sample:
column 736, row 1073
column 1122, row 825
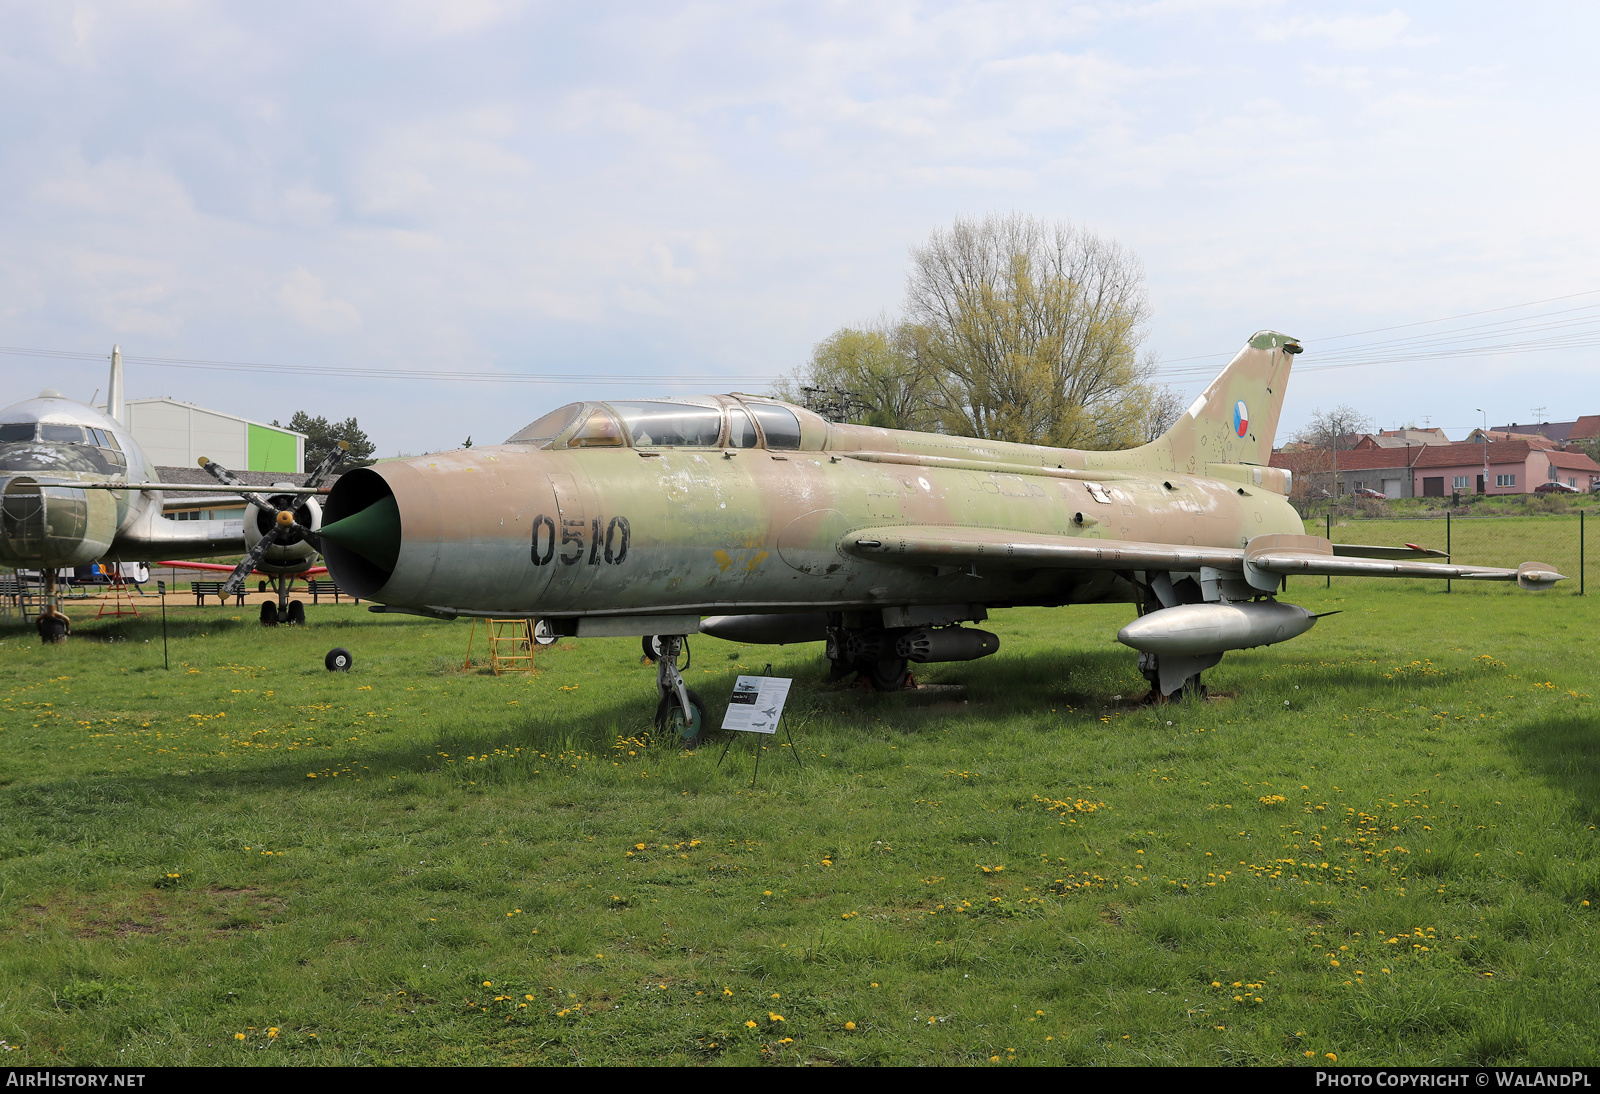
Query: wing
column 938, row 545
column 192, row 488
column 1263, row 561
column 199, row 501
column 225, row 568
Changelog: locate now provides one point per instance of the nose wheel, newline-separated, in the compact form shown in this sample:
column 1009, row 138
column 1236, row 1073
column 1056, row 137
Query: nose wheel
column 680, row 711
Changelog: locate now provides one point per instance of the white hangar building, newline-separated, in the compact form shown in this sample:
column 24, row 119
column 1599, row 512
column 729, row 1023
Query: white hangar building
column 175, row 434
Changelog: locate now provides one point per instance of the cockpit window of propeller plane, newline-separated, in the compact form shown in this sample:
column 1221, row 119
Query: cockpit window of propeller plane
column 69, row 446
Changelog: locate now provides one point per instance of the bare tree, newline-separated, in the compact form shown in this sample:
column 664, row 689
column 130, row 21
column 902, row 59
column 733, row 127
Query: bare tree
column 1030, row 331
column 1162, row 408
column 1336, row 430
column 1328, row 433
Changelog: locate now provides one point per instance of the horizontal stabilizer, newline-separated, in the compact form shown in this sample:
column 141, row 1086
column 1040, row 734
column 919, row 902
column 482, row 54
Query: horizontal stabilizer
column 1283, row 555
column 1363, row 550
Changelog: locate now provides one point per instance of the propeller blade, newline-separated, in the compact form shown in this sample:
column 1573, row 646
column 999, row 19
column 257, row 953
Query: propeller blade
column 329, row 462
column 228, row 478
column 235, row 583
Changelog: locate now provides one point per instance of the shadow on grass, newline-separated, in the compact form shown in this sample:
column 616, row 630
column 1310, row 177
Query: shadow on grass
column 1561, row 748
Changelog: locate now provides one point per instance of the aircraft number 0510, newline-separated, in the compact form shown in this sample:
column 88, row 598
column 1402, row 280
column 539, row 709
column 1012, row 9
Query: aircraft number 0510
column 612, row 546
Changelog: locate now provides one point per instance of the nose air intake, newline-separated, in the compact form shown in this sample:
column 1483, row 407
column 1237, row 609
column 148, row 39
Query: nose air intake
column 361, row 533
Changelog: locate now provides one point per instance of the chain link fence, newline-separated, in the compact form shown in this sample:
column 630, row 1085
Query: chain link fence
column 1555, row 539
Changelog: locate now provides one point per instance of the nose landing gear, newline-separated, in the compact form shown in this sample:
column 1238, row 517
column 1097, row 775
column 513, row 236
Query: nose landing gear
column 286, row 611
column 680, row 711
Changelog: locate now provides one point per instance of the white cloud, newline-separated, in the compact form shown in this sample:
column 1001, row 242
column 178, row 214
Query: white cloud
column 303, row 297
column 1355, row 32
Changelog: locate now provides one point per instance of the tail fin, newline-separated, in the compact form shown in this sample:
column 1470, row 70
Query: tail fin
column 1235, row 420
column 115, row 405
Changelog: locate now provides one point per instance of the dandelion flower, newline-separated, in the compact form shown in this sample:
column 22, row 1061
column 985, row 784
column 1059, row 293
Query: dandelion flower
column 850, row 1026
column 750, row 1024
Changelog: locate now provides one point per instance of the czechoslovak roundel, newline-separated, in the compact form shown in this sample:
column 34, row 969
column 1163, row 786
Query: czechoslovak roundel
column 1241, row 418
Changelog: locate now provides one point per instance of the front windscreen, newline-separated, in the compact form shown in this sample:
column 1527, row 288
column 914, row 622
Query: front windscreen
column 670, row 425
column 600, row 431
column 543, row 431
column 12, row 432
column 741, row 431
column 61, row 432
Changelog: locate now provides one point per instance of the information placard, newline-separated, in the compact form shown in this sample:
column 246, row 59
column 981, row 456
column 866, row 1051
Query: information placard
column 756, row 704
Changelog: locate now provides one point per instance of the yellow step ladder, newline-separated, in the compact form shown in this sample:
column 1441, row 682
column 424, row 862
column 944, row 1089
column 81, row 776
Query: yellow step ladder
column 511, row 645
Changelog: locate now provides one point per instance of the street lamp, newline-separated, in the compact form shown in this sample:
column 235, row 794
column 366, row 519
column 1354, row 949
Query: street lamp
column 1484, row 433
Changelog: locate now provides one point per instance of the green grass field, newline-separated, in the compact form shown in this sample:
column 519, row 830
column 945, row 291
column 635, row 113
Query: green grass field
column 1375, row 843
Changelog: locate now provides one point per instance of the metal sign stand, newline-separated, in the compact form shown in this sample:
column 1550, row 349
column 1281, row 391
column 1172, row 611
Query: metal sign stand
column 752, row 687
column 166, row 662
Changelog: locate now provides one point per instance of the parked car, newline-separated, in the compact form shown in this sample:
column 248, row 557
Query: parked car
column 1379, row 494
column 1555, row 488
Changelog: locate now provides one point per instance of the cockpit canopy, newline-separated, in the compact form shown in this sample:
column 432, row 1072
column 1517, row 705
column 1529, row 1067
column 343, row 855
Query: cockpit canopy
column 665, row 423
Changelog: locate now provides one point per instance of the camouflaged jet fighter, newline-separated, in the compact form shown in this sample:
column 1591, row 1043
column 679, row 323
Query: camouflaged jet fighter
column 645, row 517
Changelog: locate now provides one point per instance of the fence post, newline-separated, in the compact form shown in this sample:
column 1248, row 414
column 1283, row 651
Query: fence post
column 1580, row 552
column 1448, row 557
column 1330, row 540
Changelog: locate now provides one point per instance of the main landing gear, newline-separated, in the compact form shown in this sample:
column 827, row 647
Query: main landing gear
column 871, row 655
column 680, row 711
column 1172, row 678
column 286, row 611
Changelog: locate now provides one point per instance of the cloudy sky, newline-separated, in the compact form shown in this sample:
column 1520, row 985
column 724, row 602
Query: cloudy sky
column 694, row 194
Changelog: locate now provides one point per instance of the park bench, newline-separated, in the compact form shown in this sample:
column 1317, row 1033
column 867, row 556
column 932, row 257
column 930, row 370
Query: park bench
column 319, row 589
column 203, row 589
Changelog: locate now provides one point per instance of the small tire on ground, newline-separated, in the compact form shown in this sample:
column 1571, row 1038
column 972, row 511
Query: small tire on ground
column 669, row 718
column 53, row 629
column 269, row 614
column 297, row 613
column 338, row 660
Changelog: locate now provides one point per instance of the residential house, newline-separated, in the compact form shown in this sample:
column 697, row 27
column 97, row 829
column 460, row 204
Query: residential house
column 1437, row 471
column 1585, row 428
column 1388, row 470
column 1401, row 438
column 1498, row 467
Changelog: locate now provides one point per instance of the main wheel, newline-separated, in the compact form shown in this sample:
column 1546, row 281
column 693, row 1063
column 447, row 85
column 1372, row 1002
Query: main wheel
column 651, row 644
column 543, row 633
column 269, row 614
column 338, row 660
column 670, row 719
column 52, row 629
column 888, row 674
column 297, row 614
